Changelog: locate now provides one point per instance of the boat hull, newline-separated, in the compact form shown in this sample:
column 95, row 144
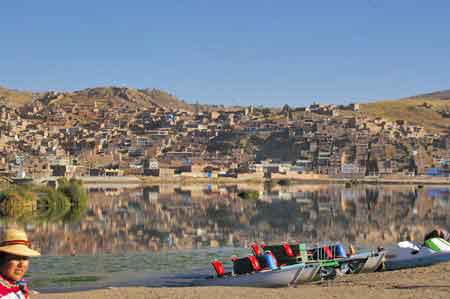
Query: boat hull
column 368, row 262
column 283, row 277
column 373, row 263
column 413, row 254
column 403, row 258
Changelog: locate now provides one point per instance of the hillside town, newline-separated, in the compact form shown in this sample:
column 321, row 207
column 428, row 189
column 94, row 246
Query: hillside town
column 103, row 137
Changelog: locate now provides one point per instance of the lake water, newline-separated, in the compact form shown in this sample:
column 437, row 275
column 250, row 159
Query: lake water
column 151, row 235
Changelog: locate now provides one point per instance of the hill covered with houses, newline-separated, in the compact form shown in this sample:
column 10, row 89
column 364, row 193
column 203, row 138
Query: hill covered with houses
column 118, row 130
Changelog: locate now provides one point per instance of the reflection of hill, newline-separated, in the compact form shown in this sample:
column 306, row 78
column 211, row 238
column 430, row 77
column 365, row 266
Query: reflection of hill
column 155, row 219
column 279, row 215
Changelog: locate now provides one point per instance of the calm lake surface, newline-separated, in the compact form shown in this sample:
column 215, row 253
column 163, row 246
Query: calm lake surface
column 151, row 235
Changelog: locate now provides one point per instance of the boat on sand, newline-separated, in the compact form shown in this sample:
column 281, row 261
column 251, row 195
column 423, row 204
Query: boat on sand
column 410, row 254
column 282, row 277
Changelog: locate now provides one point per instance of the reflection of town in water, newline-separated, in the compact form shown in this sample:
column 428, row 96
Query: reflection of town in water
column 164, row 217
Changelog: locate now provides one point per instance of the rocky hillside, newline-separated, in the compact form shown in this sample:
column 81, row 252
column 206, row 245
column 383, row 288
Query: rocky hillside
column 431, row 111
column 15, row 98
column 103, row 95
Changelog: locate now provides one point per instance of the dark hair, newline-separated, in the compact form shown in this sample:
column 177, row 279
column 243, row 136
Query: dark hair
column 2, row 258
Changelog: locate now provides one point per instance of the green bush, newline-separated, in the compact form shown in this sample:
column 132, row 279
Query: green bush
column 78, row 197
column 17, row 202
column 249, row 194
column 53, row 204
column 68, row 202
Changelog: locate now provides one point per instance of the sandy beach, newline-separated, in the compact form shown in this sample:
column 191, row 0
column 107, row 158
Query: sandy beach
column 430, row 282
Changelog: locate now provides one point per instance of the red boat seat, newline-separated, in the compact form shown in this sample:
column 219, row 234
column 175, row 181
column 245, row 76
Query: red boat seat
column 283, row 254
column 255, row 263
column 328, row 252
column 288, row 249
column 218, row 266
column 256, row 250
column 246, row 265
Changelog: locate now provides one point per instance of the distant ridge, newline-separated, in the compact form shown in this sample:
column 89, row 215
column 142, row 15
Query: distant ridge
column 119, row 95
column 441, row 95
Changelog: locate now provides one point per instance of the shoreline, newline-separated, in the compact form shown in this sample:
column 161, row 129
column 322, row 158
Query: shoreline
column 321, row 180
column 428, row 282
column 307, row 179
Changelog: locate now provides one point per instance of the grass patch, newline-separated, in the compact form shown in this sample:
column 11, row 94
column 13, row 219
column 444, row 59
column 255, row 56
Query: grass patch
column 62, row 281
column 72, row 279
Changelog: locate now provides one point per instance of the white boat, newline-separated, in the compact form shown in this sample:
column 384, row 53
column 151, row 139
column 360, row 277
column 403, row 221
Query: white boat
column 281, row 277
column 413, row 254
column 335, row 258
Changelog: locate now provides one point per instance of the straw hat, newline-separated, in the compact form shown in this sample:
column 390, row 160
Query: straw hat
column 16, row 242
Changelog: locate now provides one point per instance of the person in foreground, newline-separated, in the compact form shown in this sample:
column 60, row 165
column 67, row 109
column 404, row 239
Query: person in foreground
column 15, row 250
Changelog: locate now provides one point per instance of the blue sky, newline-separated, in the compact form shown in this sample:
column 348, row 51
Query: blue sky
column 230, row 52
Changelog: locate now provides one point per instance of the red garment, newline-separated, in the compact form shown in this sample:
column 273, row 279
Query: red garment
column 12, row 290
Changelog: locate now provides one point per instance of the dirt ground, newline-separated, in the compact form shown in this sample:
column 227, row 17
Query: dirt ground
column 430, row 282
